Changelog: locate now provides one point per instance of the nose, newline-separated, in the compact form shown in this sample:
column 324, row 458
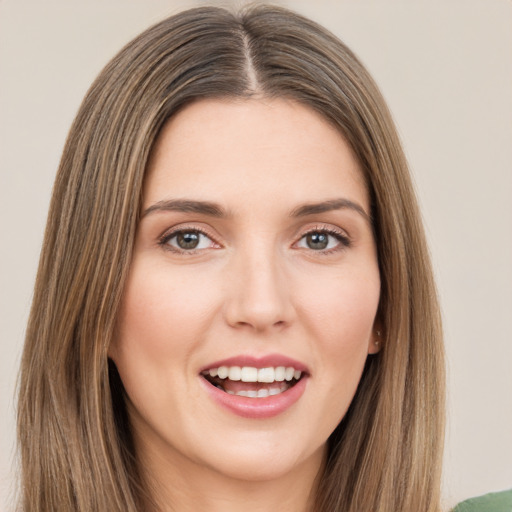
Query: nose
column 259, row 294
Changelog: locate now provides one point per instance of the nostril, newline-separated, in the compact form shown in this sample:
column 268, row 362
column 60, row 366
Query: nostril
column 260, row 324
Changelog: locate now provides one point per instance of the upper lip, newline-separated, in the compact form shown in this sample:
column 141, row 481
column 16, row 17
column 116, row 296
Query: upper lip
column 266, row 361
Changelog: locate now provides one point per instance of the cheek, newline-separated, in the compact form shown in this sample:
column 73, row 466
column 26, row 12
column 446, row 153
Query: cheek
column 343, row 308
column 163, row 313
column 340, row 320
column 337, row 308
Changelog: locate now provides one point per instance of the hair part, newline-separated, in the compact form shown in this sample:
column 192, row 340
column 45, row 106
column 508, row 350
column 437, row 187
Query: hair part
column 75, row 442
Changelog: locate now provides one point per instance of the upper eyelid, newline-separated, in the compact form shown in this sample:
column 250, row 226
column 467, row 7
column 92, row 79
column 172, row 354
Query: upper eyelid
column 175, row 230
column 327, row 228
column 164, row 241
column 344, row 239
column 299, row 234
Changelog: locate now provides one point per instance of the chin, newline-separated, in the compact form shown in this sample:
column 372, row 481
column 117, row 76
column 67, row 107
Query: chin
column 264, row 459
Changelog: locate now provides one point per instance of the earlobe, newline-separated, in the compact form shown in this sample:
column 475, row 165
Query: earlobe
column 376, row 341
column 111, row 350
column 113, row 346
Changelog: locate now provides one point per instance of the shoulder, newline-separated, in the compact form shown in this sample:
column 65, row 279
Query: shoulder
column 493, row 502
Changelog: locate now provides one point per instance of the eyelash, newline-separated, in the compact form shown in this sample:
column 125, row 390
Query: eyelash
column 166, row 237
column 340, row 236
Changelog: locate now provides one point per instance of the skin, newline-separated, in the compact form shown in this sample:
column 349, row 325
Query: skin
column 254, row 286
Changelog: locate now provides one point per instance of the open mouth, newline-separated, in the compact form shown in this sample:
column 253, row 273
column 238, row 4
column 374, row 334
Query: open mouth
column 253, row 382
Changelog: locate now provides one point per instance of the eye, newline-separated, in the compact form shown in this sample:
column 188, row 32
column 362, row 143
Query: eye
column 323, row 240
column 187, row 240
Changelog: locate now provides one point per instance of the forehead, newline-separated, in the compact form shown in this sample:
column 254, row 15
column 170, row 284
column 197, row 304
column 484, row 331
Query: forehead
column 261, row 150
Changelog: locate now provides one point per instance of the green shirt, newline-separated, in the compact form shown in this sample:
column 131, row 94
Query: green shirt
column 493, row 502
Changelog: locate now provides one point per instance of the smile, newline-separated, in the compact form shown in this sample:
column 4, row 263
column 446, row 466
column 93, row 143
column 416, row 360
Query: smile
column 252, row 382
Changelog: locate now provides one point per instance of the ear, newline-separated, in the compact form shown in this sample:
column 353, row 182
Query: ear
column 376, row 339
column 111, row 350
column 112, row 347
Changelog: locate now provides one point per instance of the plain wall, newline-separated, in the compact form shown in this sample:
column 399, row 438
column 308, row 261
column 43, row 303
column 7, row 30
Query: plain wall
column 445, row 68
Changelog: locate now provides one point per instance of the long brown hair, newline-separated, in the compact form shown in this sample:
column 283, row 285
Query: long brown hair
column 74, row 436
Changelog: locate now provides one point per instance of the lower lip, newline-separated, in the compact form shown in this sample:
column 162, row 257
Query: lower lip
column 257, row 408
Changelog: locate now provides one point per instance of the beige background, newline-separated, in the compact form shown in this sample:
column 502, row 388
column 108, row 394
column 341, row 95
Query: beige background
column 445, row 68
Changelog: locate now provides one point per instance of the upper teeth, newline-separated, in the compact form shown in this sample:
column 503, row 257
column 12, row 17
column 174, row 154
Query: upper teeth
column 251, row 374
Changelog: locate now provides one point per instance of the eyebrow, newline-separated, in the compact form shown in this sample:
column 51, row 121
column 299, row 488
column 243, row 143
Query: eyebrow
column 186, row 206
column 330, row 205
column 215, row 210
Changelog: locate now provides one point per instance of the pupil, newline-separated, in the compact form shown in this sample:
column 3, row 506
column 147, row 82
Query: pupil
column 317, row 240
column 188, row 240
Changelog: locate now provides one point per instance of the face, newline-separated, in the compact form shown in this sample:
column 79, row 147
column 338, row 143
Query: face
column 250, row 305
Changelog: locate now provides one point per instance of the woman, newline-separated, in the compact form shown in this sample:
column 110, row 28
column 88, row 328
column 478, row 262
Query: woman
column 234, row 304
